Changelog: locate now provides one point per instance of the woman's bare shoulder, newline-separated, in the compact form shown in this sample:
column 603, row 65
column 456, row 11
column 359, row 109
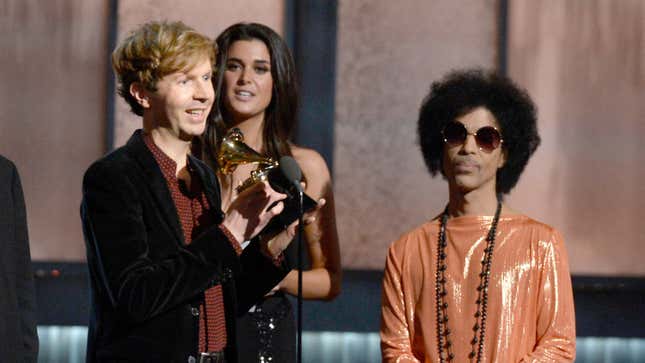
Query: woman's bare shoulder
column 313, row 165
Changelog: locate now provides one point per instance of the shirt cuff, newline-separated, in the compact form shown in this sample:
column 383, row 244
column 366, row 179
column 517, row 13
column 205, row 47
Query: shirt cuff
column 277, row 260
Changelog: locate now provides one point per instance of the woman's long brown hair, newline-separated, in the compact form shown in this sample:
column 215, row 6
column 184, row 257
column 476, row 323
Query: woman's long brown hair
column 281, row 114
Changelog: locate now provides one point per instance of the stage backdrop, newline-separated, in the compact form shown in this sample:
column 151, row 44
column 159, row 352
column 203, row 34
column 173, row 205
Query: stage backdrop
column 388, row 54
column 583, row 62
column 52, row 125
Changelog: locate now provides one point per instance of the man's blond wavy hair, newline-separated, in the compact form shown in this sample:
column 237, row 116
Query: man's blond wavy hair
column 155, row 50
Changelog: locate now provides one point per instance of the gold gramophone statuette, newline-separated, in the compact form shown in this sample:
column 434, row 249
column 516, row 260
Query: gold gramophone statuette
column 233, row 152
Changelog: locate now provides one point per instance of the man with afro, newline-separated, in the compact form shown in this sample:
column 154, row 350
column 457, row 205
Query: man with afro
column 481, row 282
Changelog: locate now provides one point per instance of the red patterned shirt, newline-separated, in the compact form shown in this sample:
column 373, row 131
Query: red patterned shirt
column 193, row 212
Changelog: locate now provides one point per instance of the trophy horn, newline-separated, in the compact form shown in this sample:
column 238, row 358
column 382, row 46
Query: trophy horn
column 233, row 152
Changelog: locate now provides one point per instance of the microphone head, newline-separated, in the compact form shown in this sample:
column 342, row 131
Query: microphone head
column 290, row 169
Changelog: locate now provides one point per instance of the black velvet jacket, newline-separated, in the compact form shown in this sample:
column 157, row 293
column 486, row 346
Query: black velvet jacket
column 18, row 338
column 146, row 282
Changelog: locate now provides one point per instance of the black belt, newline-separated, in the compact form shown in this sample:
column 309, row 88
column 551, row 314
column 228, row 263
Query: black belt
column 212, row 357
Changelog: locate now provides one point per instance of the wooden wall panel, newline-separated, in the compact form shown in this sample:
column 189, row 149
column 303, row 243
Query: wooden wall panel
column 52, row 97
column 388, row 54
column 583, row 61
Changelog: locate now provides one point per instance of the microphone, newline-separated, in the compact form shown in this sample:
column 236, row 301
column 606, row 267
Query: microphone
column 286, row 177
column 291, row 171
column 293, row 174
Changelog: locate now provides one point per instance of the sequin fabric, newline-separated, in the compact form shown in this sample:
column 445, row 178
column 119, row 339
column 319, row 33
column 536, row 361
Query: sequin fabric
column 530, row 304
column 267, row 321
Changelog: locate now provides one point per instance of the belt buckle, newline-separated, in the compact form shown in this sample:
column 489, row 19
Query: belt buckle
column 211, row 357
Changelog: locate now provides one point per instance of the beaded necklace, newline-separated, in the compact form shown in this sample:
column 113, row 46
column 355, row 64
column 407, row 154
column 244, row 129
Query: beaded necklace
column 443, row 332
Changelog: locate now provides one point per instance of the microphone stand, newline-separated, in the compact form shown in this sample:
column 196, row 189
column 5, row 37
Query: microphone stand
column 300, row 258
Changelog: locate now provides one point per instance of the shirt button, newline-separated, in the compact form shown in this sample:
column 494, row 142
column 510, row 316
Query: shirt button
column 194, row 311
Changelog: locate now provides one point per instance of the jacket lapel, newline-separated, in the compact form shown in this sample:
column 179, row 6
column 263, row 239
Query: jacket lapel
column 210, row 185
column 138, row 150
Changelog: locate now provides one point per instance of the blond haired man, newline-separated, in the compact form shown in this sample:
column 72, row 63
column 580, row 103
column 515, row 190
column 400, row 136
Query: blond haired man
column 167, row 272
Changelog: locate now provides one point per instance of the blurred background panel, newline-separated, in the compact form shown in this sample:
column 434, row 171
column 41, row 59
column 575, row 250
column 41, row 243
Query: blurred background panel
column 388, row 54
column 583, row 62
column 52, row 124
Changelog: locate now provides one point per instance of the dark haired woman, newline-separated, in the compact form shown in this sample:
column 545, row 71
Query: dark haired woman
column 481, row 282
column 257, row 93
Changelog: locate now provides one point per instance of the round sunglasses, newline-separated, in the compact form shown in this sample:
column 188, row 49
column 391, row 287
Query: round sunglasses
column 487, row 137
